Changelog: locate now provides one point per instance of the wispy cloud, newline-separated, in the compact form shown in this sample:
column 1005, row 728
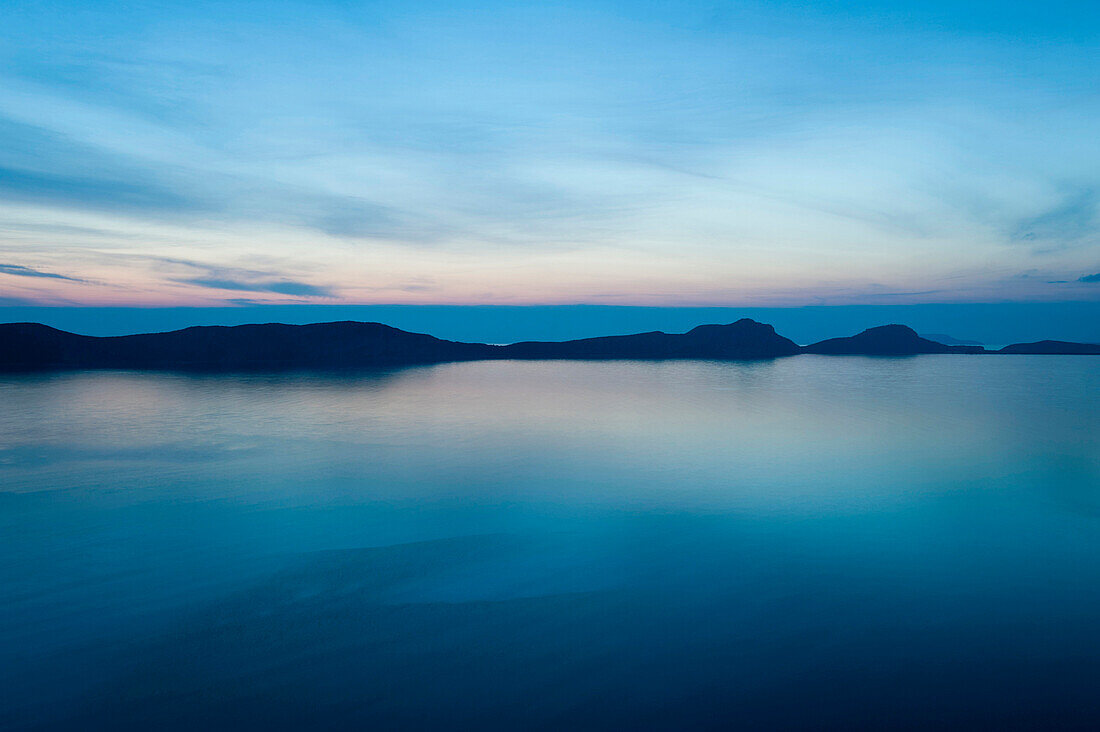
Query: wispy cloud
column 1074, row 219
column 94, row 192
column 39, row 165
column 265, row 279
column 281, row 287
column 68, row 230
column 19, row 270
column 17, row 302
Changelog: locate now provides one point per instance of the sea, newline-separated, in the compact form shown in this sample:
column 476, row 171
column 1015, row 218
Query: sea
column 812, row 542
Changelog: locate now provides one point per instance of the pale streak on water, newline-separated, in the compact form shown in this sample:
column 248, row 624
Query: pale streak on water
column 812, row 541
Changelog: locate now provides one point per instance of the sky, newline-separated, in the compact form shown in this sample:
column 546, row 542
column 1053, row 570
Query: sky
column 661, row 154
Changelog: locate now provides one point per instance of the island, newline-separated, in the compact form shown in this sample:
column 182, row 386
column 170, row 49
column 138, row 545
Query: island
column 354, row 345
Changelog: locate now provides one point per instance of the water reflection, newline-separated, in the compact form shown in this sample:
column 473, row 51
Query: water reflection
column 553, row 544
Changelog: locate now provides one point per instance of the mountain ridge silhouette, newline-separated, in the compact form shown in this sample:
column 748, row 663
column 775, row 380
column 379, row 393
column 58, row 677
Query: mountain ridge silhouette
column 354, row 344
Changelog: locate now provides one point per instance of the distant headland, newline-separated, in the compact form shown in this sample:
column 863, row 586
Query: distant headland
column 350, row 345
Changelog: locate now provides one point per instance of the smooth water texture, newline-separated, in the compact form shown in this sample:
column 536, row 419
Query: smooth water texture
column 809, row 542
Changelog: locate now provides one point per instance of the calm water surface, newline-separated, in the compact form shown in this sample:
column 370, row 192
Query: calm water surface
column 812, row 542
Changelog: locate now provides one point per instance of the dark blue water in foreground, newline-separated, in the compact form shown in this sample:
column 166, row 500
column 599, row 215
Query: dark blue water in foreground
column 813, row 542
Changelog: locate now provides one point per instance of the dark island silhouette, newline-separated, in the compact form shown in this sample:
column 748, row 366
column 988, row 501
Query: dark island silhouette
column 885, row 340
column 744, row 340
column 1054, row 348
column 354, row 345
column 242, row 347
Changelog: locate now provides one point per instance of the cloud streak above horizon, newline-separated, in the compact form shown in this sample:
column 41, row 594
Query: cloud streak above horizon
column 753, row 153
column 21, row 271
column 281, row 287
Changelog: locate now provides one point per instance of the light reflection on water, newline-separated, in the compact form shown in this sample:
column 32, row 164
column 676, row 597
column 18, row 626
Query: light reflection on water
column 894, row 541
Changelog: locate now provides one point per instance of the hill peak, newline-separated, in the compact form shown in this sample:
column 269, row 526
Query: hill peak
column 882, row 340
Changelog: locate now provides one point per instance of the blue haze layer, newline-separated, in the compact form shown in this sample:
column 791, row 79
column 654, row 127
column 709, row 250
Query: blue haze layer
column 993, row 324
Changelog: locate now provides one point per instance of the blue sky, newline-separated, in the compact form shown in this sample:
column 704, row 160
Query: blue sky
column 669, row 154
